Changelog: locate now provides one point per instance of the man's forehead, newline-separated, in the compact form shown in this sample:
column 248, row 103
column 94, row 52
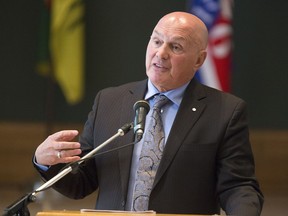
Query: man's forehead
column 172, row 36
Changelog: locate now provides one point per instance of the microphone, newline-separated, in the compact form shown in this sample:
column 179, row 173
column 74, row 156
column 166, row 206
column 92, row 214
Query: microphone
column 141, row 109
column 20, row 207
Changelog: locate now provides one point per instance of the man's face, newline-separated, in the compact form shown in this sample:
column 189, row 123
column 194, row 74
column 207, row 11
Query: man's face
column 173, row 55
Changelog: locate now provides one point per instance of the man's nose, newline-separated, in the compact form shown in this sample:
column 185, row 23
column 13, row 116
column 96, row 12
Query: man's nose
column 163, row 52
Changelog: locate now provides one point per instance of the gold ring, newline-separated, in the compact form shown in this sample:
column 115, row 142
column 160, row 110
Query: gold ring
column 59, row 154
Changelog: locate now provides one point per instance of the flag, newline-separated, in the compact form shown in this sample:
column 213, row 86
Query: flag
column 65, row 46
column 217, row 15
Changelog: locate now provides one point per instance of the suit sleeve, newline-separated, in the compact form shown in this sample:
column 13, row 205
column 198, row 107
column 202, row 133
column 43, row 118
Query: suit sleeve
column 84, row 181
column 237, row 186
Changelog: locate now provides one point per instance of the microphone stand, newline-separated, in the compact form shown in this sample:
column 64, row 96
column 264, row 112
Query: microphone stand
column 19, row 208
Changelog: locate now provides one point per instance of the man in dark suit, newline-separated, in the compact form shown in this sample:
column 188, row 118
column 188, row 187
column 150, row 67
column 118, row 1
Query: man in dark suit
column 207, row 161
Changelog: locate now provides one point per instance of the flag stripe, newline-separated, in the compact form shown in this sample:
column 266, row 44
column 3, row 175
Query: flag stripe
column 217, row 15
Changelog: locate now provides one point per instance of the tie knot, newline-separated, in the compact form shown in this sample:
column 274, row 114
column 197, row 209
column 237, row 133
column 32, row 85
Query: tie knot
column 160, row 100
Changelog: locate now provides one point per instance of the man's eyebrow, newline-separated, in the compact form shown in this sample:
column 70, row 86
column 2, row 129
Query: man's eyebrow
column 156, row 32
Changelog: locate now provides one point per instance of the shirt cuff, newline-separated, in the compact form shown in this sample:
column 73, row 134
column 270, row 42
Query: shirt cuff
column 41, row 167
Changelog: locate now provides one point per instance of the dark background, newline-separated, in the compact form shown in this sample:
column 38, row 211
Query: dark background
column 117, row 33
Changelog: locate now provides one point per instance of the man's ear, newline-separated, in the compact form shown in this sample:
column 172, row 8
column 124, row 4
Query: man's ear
column 201, row 58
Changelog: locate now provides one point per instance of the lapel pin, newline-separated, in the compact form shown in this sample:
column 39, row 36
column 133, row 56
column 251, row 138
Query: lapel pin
column 193, row 109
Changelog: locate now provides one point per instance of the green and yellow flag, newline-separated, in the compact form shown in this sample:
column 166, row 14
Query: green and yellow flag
column 66, row 47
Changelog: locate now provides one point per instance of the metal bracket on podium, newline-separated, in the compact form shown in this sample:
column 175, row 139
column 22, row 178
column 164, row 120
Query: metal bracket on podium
column 20, row 206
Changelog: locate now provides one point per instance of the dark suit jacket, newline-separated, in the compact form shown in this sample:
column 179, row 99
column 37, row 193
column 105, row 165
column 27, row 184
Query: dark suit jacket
column 207, row 161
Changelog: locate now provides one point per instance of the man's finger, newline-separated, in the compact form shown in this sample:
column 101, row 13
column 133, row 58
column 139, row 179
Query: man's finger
column 64, row 135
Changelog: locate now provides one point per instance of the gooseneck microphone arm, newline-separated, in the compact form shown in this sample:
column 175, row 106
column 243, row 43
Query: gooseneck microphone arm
column 19, row 208
column 121, row 132
column 141, row 108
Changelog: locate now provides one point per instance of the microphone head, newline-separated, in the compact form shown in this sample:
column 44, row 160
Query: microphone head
column 141, row 103
column 141, row 109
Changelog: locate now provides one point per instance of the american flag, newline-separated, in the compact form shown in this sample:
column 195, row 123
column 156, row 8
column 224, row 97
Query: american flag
column 217, row 15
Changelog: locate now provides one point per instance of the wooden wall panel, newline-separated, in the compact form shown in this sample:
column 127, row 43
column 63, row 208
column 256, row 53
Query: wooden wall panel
column 19, row 141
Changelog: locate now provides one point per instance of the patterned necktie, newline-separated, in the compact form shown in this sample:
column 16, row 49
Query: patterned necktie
column 151, row 153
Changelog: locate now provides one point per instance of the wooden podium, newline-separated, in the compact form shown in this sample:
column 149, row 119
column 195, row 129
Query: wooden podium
column 78, row 213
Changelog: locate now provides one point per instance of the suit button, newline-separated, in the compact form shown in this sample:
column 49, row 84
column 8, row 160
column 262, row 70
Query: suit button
column 123, row 203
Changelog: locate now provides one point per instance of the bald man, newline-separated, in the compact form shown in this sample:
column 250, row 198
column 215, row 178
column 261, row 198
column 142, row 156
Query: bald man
column 207, row 161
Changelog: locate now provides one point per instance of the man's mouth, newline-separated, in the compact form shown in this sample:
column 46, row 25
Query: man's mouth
column 160, row 66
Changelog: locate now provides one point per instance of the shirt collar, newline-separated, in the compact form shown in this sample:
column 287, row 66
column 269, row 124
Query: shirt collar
column 174, row 95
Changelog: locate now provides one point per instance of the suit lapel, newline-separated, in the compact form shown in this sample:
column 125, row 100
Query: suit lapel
column 189, row 112
column 134, row 93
